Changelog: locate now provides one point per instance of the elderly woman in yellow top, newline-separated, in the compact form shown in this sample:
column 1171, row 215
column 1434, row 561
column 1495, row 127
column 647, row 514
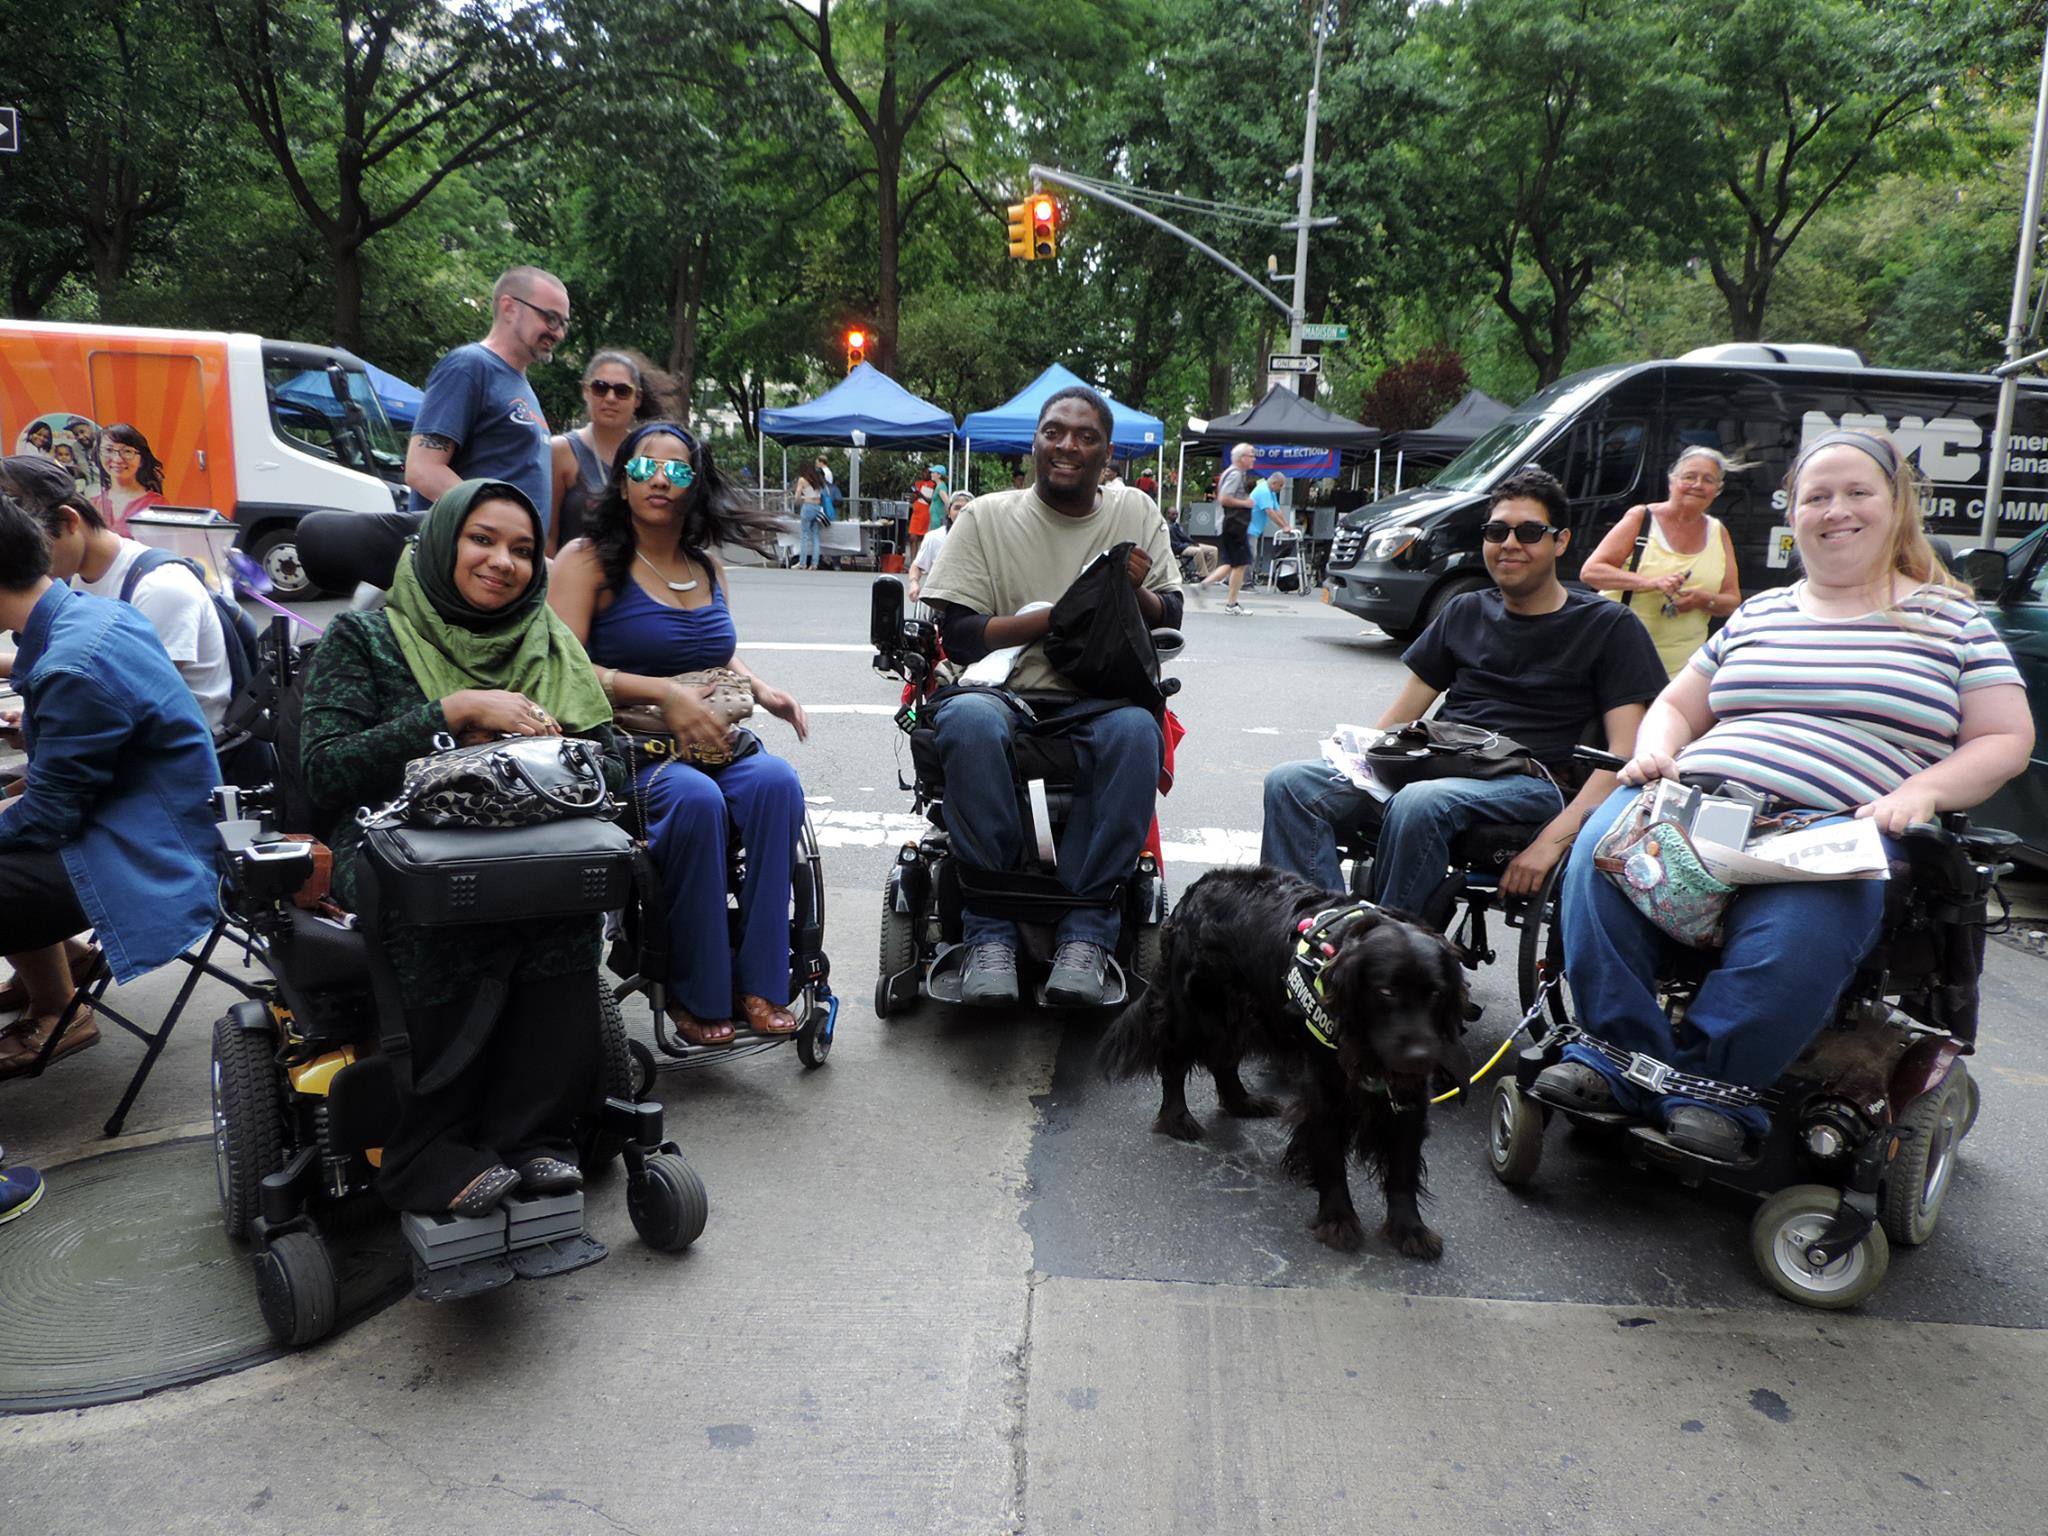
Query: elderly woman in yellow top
column 1686, row 576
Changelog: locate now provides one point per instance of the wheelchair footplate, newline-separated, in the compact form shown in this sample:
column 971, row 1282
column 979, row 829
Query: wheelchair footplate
column 525, row 1238
column 943, row 982
column 1656, row 1145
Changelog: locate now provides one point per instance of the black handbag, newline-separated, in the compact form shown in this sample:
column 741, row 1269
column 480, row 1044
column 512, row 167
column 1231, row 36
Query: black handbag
column 1444, row 749
column 1099, row 640
column 515, row 781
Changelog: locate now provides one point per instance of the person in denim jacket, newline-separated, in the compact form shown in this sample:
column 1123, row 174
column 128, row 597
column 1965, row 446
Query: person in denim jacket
column 113, row 831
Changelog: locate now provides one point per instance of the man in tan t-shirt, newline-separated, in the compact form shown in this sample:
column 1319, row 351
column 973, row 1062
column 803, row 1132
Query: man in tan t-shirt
column 1008, row 551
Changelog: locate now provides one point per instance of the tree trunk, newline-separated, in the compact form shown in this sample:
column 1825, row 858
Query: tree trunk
column 686, row 311
column 1219, row 378
column 889, row 234
column 347, row 257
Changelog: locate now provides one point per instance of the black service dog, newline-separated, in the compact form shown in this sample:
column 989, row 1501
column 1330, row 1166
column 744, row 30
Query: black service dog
column 1393, row 990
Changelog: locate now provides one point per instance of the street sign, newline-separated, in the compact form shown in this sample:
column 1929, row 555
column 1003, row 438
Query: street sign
column 10, row 131
column 1326, row 333
column 1293, row 362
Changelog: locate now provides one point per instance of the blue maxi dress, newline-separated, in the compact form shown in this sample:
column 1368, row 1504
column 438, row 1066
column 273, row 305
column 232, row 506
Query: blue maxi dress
column 691, row 813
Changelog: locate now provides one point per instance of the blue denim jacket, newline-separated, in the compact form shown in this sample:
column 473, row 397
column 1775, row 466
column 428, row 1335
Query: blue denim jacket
column 120, row 767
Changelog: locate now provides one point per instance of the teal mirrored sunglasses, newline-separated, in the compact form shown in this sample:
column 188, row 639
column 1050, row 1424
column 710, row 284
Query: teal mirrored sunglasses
column 677, row 471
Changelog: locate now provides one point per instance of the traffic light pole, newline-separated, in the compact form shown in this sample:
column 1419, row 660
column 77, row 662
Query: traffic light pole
column 1299, row 313
column 1090, row 189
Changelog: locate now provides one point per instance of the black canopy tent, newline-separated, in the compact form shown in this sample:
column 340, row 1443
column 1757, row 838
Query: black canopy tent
column 1451, row 434
column 1282, row 421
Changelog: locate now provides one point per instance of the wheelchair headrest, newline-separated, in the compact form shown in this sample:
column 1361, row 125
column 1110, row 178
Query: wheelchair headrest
column 342, row 551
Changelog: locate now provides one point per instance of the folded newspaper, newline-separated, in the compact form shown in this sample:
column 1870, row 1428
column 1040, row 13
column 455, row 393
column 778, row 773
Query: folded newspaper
column 1344, row 750
column 1838, row 850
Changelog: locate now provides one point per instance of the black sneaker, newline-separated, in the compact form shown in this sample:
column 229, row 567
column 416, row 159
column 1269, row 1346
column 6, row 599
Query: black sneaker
column 549, row 1176
column 1705, row 1133
column 990, row 975
column 1078, row 972
column 1574, row 1085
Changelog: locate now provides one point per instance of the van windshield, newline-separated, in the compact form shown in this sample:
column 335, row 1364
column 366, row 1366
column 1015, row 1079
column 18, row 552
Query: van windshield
column 1474, row 469
column 307, row 412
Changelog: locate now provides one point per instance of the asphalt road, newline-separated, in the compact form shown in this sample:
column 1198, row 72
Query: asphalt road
column 952, row 1284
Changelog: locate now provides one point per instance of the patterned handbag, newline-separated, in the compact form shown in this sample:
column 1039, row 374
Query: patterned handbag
column 1654, row 864
column 731, row 700
column 514, row 781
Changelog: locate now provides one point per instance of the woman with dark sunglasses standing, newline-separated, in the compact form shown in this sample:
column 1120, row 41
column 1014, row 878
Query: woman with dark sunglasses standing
column 647, row 598
column 620, row 389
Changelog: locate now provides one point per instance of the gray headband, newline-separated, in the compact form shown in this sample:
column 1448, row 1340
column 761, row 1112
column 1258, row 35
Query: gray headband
column 1867, row 443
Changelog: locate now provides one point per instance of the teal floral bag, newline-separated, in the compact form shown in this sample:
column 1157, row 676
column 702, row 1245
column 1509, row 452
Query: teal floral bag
column 1654, row 864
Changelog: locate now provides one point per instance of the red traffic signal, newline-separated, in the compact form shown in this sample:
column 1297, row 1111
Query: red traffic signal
column 1045, row 240
column 856, row 349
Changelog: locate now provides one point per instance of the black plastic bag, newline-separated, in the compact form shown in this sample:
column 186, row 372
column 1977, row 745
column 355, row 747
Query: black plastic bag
column 1099, row 640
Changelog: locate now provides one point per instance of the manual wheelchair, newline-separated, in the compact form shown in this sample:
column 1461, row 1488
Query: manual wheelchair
column 304, row 1089
column 1864, row 1128
column 921, row 950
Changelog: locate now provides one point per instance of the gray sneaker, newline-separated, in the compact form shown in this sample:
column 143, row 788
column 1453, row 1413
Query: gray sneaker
column 1078, row 971
column 990, row 975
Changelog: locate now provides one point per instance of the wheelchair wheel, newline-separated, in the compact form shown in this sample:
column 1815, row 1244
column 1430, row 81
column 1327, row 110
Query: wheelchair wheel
column 1540, row 958
column 1514, row 1134
column 296, row 1289
column 248, row 1120
column 814, row 1038
column 1790, row 1220
column 597, row 1148
column 899, row 948
column 1917, row 1181
column 667, row 1202
column 643, row 1069
column 1973, row 1101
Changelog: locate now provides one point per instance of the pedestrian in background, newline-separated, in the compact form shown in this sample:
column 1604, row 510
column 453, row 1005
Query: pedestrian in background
column 1234, row 549
column 812, row 515
column 928, row 552
column 1671, row 562
column 480, row 419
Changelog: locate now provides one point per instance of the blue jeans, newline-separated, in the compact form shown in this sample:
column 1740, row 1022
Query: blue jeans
column 1787, row 952
column 1308, row 804
column 1118, row 758
column 810, row 538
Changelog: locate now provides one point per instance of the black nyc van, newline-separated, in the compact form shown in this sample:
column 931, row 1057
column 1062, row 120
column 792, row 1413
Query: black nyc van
column 1610, row 434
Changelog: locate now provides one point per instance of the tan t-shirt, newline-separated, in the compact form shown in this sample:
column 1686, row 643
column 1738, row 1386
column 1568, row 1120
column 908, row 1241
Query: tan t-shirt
column 1009, row 548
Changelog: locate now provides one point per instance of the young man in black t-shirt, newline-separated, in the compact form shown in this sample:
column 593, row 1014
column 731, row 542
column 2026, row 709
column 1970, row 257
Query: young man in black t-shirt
column 1531, row 659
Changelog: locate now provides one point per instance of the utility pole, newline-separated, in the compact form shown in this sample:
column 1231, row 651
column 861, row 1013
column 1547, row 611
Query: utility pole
column 2017, row 331
column 1325, row 21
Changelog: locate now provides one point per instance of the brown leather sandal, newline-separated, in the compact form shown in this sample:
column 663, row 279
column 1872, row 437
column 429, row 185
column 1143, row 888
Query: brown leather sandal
column 766, row 1018
column 22, row 1041
column 696, row 1031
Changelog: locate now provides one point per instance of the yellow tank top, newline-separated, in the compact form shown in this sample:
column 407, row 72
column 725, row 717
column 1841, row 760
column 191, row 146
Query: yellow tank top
column 1678, row 635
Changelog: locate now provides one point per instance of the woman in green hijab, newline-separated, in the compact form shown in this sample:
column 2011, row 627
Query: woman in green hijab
column 467, row 646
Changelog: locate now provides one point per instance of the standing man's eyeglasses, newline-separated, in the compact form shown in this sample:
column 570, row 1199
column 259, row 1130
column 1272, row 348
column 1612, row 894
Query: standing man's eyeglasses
column 555, row 319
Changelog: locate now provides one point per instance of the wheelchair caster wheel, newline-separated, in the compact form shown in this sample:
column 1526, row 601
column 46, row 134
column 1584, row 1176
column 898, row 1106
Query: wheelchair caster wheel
column 643, row 1069
column 1785, row 1227
column 1917, row 1181
column 296, row 1289
column 1514, row 1134
column 667, row 1202
column 814, row 1040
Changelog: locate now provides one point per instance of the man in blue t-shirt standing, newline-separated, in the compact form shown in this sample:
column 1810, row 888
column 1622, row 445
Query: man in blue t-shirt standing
column 480, row 419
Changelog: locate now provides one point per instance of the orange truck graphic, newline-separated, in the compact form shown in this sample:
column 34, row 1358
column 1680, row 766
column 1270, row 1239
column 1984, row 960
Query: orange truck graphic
column 262, row 431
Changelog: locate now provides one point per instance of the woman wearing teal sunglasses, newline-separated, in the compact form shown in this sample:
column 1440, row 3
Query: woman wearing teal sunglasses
column 647, row 597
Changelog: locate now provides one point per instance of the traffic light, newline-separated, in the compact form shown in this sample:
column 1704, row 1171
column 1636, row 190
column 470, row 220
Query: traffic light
column 856, row 349
column 1020, row 231
column 1045, row 241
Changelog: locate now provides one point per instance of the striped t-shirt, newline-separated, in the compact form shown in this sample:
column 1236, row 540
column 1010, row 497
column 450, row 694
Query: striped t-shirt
column 1833, row 713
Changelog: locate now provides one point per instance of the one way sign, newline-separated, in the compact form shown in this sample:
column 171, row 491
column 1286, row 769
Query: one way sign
column 10, row 131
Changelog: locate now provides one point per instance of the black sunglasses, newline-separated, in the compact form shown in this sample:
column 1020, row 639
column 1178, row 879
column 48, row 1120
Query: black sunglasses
column 603, row 387
column 1522, row 533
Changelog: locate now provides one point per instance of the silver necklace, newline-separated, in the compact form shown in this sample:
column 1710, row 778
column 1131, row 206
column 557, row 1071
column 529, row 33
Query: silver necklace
column 673, row 586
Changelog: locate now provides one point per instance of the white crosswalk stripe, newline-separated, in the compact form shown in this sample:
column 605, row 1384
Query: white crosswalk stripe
column 1184, row 848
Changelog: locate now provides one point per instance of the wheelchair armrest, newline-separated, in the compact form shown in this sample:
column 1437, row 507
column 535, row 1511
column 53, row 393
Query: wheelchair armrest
column 262, row 866
column 1168, row 643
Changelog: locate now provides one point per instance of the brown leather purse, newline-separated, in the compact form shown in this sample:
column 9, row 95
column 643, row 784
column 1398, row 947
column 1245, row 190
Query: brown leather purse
column 730, row 700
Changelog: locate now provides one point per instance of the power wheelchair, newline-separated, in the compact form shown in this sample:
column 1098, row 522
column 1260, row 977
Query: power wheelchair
column 921, row 950
column 304, row 1088
column 1864, row 1128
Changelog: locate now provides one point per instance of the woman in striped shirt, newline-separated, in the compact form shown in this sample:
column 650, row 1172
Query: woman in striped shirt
column 1871, row 688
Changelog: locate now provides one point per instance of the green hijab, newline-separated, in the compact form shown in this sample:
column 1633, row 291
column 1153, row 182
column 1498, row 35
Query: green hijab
column 451, row 645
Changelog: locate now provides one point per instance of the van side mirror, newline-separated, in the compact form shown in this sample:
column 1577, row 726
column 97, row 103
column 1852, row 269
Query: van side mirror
column 1984, row 572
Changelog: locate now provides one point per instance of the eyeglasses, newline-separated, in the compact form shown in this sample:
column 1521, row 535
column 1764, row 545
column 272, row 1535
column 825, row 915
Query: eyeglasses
column 1697, row 480
column 556, row 321
column 1522, row 533
column 124, row 455
column 677, row 471
column 603, row 387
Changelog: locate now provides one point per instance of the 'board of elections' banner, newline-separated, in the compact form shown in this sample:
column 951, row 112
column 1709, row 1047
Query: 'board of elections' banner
column 1296, row 463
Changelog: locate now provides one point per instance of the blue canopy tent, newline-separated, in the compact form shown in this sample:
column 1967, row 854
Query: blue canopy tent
column 1010, row 427
column 866, row 409
column 311, row 390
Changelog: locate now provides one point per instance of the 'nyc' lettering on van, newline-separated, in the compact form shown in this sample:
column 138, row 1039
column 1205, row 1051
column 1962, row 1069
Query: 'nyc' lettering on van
column 1943, row 445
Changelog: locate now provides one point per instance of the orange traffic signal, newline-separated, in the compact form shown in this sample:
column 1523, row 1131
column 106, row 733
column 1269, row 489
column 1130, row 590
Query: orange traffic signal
column 1045, row 242
column 856, row 349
